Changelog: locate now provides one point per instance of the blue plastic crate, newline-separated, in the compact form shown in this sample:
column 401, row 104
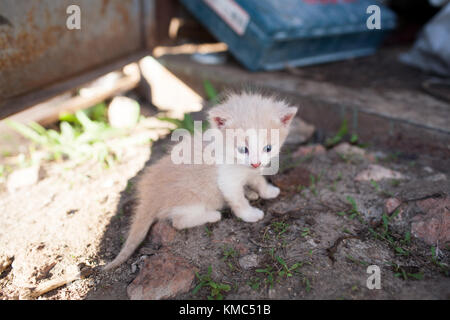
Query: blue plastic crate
column 274, row 34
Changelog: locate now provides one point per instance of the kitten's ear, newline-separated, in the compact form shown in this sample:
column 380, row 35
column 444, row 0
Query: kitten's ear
column 287, row 115
column 218, row 118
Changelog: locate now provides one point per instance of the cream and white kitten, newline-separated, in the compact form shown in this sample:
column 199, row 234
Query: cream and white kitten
column 192, row 194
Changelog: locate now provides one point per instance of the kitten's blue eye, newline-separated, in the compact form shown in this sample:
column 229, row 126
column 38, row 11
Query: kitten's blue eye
column 243, row 150
column 267, row 148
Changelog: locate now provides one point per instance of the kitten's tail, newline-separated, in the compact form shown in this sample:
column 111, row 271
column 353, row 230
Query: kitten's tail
column 139, row 228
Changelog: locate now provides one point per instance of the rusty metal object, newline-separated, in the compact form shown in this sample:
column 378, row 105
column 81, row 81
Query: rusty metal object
column 38, row 50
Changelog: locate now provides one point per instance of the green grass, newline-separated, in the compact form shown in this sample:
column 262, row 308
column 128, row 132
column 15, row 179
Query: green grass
column 342, row 132
column 434, row 259
column 208, row 232
column 210, row 91
column 305, row 232
column 353, row 211
column 276, row 270
column 187, row 123
column 229, row 256
column 216, row 289
column 401, row 272
column 79, row 138
column 279, row 228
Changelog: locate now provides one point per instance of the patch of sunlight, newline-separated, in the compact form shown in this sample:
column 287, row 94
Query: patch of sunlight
column 168, row 92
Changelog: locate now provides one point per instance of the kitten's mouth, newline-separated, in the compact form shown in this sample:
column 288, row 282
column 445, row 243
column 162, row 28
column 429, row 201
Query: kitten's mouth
column 256, row 165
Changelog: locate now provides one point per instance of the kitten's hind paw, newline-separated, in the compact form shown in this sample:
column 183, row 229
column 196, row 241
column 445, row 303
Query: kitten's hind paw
column 251, row 215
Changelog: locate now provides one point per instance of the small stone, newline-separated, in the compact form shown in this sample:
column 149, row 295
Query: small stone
column 347, row 149
column 162, row 276
column 314, row 149
column 437, row 177
column 163, row 233
column 299, row 132
column 434, row 226
column 376, row 173
column 249, row 261
column 123, row 112
column 392, row 204
column 133, row 268
column 292, row 179
column 312, row 243
column 23, row 178
column 428, row 169
column 5, row 262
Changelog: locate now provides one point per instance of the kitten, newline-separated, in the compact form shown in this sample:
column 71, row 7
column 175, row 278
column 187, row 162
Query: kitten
column 192, row 194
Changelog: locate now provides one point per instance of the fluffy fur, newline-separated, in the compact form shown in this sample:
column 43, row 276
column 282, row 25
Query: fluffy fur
column 192, row 194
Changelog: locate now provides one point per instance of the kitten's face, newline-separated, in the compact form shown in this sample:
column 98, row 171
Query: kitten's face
column 259, row 126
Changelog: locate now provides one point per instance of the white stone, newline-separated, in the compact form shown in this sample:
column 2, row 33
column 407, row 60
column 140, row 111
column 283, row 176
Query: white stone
column 123, row 112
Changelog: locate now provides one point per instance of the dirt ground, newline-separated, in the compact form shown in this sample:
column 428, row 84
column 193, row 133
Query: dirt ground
column 76, row 219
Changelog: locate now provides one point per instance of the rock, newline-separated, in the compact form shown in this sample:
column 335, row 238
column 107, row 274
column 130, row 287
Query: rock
column 437, row 177
column 299, row 132
column 428, row 169
column 162, row 276
column 23, row 178
column 162, row 233
column 123, row 112
column 5, row 262
column 249, row 261
column 434, row 226
column 314, row 149
column 377, row 173
column 391, row 205
column 291, row 180
column 347, row 149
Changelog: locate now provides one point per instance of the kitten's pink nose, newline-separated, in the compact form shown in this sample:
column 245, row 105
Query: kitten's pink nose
column 256, row 165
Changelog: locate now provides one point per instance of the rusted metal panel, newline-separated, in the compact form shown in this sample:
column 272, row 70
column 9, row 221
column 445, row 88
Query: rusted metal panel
column 37, row 49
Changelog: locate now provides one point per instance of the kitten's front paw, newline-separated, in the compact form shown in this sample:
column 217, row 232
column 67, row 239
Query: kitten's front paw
column 251, row 215
column 271, row 192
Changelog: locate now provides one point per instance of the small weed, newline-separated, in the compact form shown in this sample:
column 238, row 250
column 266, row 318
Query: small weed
column 353, row 212
column 187, row 123
column 229, row 256
column 279, row 227
column 342, row 132
column 254, row 283
column 211, row 92
column 434, row 259
column 217, row 290
column 402, row 272
column 286, row 270
column 80, row 138
column 375, row 185
column 129, row 188
column 357, row 261
column 278, row 270
column 269, row 275
column 307, row 284
column 305, row 232
column 208, row 232
column 395, row 182
column 312, row 185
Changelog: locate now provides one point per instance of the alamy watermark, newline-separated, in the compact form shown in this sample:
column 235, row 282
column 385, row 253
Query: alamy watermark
column 374, row 20
column 73, row 21
column 374, row 280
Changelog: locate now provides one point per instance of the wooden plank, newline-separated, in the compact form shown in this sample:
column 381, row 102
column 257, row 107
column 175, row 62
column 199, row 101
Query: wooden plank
column 17, row 104
column 48, row 112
